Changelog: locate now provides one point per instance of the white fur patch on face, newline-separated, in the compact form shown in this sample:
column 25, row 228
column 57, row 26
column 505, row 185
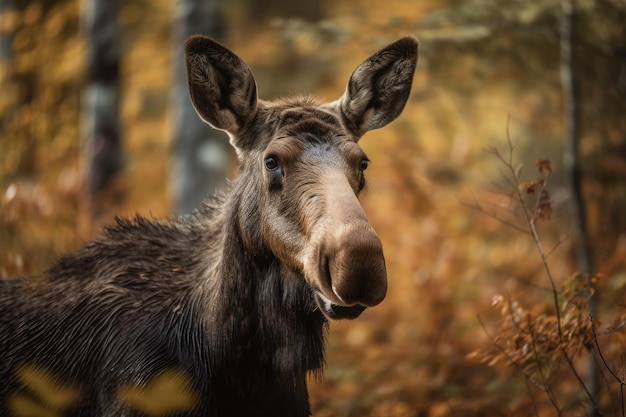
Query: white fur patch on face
column 327, row 304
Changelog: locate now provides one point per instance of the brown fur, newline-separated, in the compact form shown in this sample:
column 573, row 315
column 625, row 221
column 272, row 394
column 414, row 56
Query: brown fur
column 235, row 297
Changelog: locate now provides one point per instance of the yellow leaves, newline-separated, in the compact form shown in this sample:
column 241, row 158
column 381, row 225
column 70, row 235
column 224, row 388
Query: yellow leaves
column 393, row 409
column 47, row 387
column 9, row 21
column 168, row 392
column 33, row 13
column 43, row 394
column 23, row 406
column 49, row 395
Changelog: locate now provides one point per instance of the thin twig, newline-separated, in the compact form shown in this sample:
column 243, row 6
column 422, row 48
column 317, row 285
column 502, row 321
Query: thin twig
column 606, row 365
column 582, row 384
column 547, row 390
column 531, row 220
column 622, row 380
column 544, row 260
column 529, row 388
column 556, row 246
column 622, row 385
column 476, row 206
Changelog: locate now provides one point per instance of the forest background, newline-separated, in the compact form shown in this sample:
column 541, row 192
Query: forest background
column 488, row 308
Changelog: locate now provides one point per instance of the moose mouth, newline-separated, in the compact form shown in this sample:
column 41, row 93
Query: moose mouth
column 335, row 311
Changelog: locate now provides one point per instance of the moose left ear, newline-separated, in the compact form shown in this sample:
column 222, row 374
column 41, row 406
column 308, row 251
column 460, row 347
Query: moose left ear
column 221, row 86
column 379, row 88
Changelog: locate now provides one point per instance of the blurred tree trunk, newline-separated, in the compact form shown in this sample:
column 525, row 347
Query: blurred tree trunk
column 573, row 167
column 101, row 117
column 571, row 110
column 201, row 155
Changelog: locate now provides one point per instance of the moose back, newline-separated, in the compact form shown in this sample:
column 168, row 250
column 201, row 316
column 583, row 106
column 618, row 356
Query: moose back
column 223, row 312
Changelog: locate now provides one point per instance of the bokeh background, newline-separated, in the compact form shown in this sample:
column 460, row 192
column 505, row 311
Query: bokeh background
column 461, row 273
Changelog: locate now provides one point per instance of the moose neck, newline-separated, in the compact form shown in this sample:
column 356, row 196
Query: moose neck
column 266, row 313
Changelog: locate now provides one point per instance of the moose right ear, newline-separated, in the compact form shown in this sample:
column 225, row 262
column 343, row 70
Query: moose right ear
column 379, row 88
column 221, row 86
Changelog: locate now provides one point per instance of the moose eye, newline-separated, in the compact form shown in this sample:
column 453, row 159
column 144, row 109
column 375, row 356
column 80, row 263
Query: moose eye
column 271, row 164
column 364, row 164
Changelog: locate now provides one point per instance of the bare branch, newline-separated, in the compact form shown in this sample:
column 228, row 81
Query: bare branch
column 477, row 207
column 547, row 390
column 606, row 365
column 531, row 220
column 556, row 246
column 622, row 380
column 529, row 388
column 590, row 396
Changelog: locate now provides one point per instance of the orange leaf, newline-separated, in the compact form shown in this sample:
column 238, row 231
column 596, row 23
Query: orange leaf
column 544, row 165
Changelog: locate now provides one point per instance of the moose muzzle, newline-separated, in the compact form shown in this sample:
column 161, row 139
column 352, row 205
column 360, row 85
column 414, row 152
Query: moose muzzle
column 347, row 267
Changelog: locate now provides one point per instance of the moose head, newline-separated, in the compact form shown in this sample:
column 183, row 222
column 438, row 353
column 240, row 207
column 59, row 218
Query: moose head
column 302, row 169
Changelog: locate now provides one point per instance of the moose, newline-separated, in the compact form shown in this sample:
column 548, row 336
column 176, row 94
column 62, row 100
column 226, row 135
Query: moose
column 234, row 300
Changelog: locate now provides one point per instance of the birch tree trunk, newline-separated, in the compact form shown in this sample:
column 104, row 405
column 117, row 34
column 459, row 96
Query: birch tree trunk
column 201, row 155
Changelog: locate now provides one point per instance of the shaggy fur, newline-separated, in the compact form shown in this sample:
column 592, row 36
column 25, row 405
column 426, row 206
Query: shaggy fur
column 233, row 299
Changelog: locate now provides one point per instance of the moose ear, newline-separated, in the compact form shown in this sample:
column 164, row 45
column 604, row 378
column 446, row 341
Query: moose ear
column 379, row 88
column 221, row 86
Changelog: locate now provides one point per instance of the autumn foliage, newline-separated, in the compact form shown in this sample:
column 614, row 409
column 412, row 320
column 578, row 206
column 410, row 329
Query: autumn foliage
column 486, row 313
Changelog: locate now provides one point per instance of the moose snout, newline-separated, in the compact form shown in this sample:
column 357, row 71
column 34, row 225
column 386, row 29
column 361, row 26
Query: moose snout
column 355, row 267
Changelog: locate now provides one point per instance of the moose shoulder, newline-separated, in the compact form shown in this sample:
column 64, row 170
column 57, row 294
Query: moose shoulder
column 221, row 313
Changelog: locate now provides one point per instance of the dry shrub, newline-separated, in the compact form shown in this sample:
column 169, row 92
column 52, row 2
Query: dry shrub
column 549, row 336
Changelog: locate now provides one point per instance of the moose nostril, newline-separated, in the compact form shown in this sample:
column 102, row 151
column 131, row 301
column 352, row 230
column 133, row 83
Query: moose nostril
column 355, row 271
column 327, row 277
